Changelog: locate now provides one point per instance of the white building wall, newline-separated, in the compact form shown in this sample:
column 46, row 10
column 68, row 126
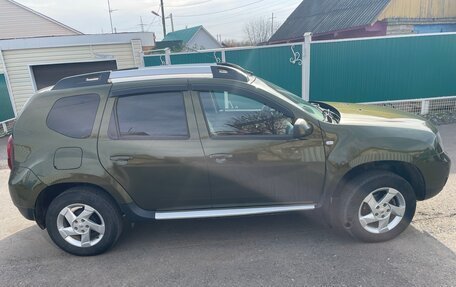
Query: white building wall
column 203, row 41
column 18, row 63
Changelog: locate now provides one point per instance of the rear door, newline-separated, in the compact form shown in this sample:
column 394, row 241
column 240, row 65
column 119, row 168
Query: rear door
column 150, row 144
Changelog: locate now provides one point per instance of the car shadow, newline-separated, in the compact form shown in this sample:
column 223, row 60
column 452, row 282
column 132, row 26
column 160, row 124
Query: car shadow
column 280, row 250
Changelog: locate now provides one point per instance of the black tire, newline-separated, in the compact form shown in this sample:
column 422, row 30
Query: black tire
column 92, row 197
column 358, row 189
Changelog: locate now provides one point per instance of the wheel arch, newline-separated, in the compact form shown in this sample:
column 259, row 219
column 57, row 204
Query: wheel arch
column 406, row 170
column 48, row 194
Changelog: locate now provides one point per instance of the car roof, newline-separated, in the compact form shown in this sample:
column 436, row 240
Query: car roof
column 207, row 71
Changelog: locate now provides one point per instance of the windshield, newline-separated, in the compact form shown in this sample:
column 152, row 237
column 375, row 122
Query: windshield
column 312, row 110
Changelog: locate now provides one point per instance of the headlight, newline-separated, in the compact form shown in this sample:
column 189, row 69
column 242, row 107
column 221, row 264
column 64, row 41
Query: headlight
column 440, row 141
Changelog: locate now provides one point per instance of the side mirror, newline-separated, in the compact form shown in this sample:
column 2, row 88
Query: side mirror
column 302, row 129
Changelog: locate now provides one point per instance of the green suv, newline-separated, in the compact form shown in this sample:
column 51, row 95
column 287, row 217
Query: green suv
column 212, row 140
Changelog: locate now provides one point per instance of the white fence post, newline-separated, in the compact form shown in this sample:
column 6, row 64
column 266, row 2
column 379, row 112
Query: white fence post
column 5, row 128
column 306, row 66
column 424, row 107
column 168, row 56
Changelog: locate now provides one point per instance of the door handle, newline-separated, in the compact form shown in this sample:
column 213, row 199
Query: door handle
column 221, row 157
column 121, row 159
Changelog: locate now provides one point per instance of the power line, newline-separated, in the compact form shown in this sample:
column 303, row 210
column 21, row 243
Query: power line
column 189, row 5
column 263, row 14
column 267, row 7
column 265, row 10
column 223, row 11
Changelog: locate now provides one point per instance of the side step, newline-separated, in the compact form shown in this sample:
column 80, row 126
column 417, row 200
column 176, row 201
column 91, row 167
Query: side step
column 207, row 213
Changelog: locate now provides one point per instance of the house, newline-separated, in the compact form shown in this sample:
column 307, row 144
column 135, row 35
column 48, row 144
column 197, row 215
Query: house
column 336, row 19
column 190, row 39
column 19, row 21
column 37, row 51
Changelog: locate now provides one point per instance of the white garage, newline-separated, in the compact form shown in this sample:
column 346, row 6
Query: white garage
column 29, row 64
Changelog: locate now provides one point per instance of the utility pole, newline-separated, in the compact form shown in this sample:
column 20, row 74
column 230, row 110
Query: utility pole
column 163, row 17
column 272, row 24
column 172, row 21
column 142, row 24
column 110, row 16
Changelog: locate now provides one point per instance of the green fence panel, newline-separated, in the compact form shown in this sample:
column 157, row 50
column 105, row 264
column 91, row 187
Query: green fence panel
column 6, row 108
column 273, row 64
column 195, row 58
column 385, row 69
column 281, row 65
column 155, row 60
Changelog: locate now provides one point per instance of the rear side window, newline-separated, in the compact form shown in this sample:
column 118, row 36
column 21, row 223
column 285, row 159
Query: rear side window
column 74, row 116
column 157, row 115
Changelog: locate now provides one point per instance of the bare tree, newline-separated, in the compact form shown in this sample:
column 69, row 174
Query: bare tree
column 260, row 30
column 229, row 43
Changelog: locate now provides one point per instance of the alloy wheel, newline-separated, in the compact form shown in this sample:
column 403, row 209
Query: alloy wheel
column 382, row 210
column 80, row 225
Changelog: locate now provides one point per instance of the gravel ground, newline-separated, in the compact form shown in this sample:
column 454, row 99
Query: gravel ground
column 442, row 118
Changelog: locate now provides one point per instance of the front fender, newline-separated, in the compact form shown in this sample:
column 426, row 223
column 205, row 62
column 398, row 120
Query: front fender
column 354, row 146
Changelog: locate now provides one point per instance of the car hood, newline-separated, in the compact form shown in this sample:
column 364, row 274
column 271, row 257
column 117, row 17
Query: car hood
column 361, row 114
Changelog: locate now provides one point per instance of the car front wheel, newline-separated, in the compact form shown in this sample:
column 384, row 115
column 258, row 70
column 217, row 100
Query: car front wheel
column 377, row 206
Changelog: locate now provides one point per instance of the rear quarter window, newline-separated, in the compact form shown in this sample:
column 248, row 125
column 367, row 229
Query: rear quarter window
column 74, row 116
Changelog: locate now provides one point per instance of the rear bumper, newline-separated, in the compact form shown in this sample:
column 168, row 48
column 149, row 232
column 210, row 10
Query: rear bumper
column 436, row 175
column 24, row 187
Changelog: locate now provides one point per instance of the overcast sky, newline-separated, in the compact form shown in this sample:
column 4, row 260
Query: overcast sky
column 224, row 17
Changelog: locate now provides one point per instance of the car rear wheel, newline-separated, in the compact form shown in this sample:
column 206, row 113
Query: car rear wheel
column 377, row 206
column 83, row 221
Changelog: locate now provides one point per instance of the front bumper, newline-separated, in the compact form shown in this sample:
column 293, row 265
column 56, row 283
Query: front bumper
column 28, row 213
column 436, row 173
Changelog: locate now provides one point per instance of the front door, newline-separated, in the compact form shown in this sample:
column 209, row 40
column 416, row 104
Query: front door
column 252, row 156
column 151, row 146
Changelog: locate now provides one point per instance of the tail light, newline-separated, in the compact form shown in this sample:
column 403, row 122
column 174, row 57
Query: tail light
column 10, row 152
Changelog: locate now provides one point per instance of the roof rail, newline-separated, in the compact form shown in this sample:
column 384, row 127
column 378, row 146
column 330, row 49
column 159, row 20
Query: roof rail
column 84, row 80
column 162, row 72
column 216, row 71
column 229, row 73
column 235, row 66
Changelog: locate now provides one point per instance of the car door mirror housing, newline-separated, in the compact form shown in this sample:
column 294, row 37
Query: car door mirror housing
column 302, row 128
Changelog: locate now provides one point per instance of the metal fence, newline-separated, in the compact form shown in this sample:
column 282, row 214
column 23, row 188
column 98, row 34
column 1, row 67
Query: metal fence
column 6, row 108
column 6, row 127
column 281, row 64
column 7, row 114
column 414, row 73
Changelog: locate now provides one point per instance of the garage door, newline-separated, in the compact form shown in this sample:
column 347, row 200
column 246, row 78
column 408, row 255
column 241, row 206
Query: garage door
column 48, row 75
column 6, row 109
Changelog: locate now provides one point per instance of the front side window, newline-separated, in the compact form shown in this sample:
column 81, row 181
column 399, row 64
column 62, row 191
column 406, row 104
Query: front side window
column 231, row 114
column 74, row 116
column 157, row 115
